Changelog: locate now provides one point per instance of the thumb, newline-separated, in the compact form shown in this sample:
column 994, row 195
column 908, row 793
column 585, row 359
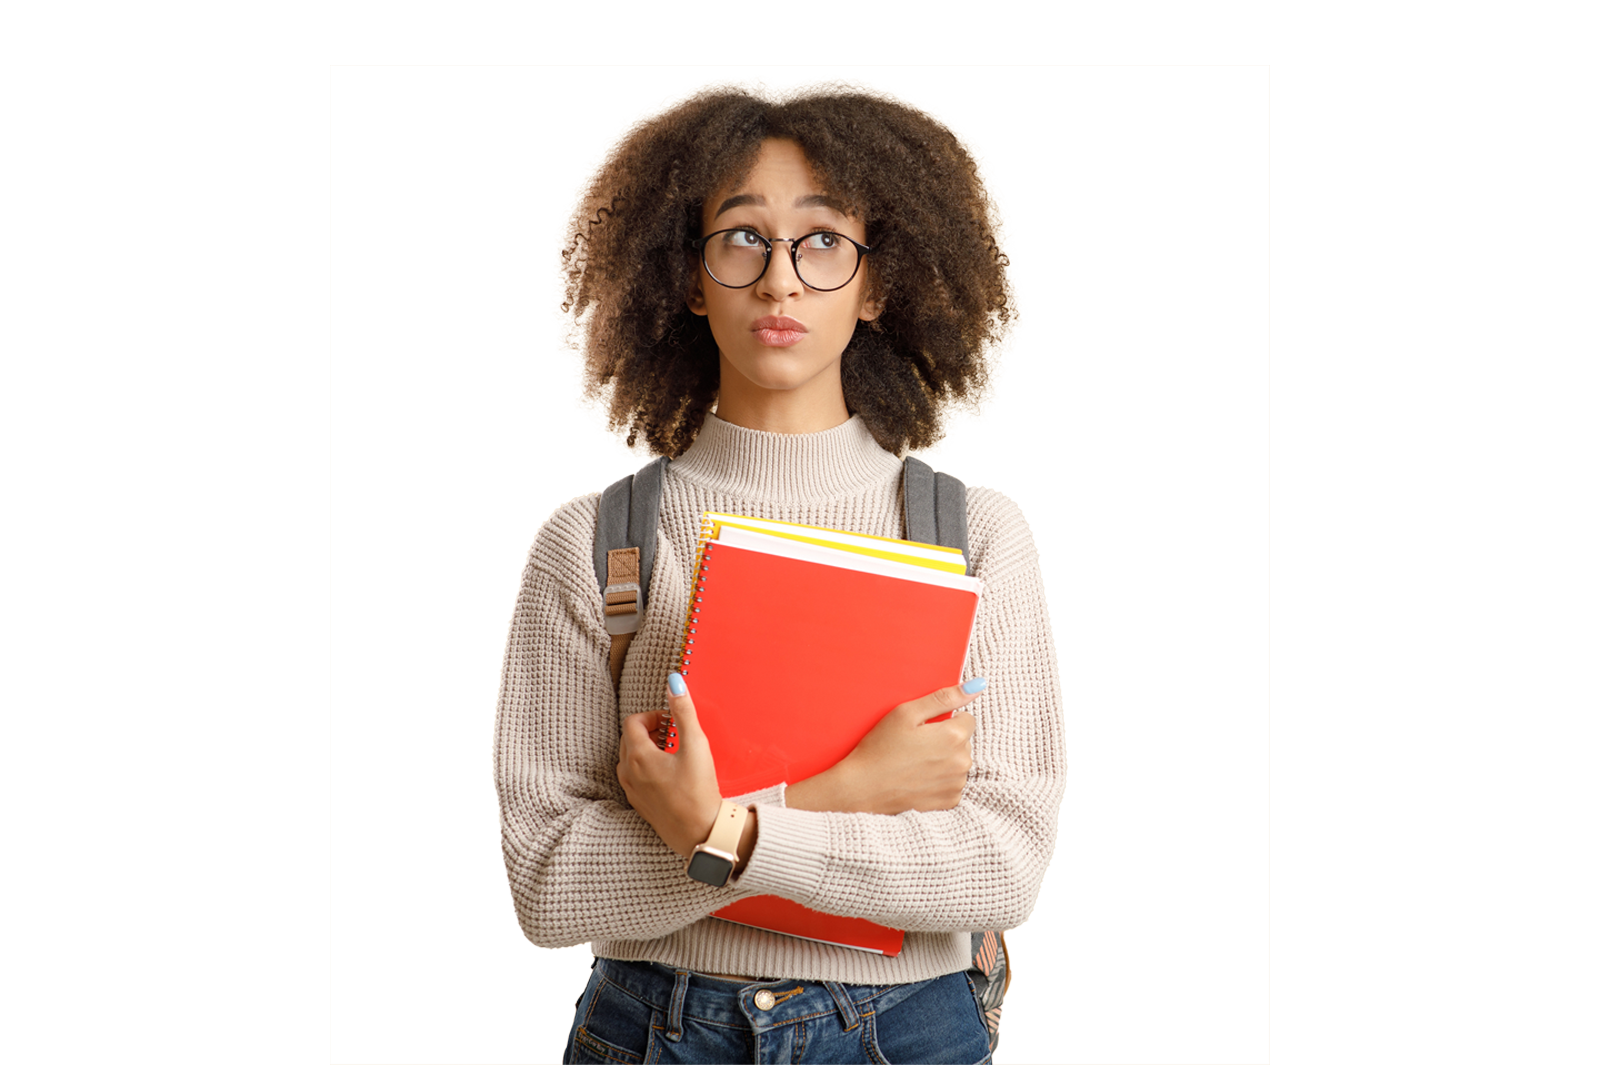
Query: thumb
column 938, row 706
column 680, row 704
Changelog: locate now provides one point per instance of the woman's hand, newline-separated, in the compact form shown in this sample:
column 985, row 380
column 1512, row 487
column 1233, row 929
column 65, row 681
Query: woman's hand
column 677, row 793
column 906, row 762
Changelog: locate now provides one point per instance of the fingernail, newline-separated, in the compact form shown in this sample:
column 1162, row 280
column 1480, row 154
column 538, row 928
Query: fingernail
column 974, row 686
column 675, row 684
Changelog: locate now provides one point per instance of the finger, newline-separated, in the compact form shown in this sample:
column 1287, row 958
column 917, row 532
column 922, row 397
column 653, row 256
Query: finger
column 944, row 700
column 680, row 704
column 655, row 723
column 638, row 732
column 636, row 753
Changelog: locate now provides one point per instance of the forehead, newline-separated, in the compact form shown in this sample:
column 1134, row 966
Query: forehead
column 780, row 178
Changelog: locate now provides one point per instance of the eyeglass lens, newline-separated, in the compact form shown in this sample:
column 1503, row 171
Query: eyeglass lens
column 824, row 261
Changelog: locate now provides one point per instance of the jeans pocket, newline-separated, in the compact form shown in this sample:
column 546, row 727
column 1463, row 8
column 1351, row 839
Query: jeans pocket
column 939, row 1023
column 617, row 1029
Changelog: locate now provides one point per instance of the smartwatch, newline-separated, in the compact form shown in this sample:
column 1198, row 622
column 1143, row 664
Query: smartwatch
column 712, row 862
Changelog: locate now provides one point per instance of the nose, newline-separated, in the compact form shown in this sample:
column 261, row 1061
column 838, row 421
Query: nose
column 780, row 282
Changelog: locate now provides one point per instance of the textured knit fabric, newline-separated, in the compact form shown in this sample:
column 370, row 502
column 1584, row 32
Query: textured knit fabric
column 584, row 866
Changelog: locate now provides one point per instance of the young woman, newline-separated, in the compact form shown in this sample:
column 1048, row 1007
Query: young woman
column 780, row 296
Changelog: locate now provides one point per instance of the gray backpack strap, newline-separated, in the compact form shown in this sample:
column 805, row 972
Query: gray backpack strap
column 629, row 512
column 611, row 530
column 917, row 487
column 625, row 553
column 936, row 506
column 950, row 508
column 936, row 513
column 644, row 514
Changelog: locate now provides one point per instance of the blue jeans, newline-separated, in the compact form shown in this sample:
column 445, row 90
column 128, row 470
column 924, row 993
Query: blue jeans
column 634, row 1012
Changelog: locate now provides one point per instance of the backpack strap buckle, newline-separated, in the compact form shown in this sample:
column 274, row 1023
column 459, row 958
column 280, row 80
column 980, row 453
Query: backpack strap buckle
column 622, row 590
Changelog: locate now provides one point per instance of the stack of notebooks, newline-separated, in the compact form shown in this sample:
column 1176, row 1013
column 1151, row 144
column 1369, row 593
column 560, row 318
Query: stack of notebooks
column 798, row 641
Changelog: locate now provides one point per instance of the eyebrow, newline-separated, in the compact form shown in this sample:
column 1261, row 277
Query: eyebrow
column 745, row 199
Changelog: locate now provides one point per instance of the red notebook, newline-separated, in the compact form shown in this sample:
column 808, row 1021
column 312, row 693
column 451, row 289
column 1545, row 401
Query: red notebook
column 791, row 662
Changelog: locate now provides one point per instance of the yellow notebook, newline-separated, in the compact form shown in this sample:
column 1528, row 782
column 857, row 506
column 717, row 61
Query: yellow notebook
column 931, row 556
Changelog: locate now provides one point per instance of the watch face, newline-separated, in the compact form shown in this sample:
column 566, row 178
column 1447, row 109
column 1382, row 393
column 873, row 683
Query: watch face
column 709, row 869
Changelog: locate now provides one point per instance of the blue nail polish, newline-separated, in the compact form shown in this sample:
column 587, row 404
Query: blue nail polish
column 675, row 684
column 974, row 686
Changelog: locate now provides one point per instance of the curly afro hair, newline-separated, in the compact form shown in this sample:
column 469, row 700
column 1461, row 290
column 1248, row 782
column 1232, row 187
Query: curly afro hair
column 936, row 265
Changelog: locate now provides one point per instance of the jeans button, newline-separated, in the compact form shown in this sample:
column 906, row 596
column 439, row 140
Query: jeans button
column 764, row 1000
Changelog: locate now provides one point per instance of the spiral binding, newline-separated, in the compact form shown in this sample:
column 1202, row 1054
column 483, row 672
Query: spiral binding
column 701, row 568
column 666, row 733
column 702, row 552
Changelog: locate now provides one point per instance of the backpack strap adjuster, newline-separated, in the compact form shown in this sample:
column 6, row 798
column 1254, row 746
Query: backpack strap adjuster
column 622, row 590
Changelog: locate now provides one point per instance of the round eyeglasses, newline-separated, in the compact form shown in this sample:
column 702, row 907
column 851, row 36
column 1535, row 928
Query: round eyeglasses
column 823, row 261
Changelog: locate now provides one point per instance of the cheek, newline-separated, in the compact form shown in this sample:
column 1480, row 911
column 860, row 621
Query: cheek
column 720, row 310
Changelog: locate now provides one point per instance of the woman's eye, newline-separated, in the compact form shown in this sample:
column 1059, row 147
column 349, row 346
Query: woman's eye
column 741, row 238
column 821, row 242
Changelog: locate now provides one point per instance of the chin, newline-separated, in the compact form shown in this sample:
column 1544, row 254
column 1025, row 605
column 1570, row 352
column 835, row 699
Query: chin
column 779, row 382
column 776, row 370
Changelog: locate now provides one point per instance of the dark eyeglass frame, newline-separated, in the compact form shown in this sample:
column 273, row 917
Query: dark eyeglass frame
column 766, row 247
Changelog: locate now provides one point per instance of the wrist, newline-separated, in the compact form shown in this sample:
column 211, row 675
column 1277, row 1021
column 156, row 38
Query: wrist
column 747, row 842
column 707, row 820
column 834, row 790
column 717, row 859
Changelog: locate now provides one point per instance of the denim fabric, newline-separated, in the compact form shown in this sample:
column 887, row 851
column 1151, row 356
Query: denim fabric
column 634, row 1012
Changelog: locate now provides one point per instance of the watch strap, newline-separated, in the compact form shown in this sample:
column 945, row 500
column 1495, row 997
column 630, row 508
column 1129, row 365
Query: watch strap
column 728, row 828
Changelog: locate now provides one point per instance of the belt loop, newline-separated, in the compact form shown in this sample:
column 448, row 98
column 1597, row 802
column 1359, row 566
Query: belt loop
column 680, row 989
column 846, row 1004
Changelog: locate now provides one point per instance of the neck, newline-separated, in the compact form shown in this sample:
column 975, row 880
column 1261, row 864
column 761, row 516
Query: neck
column 750, row 464
column 816, row 405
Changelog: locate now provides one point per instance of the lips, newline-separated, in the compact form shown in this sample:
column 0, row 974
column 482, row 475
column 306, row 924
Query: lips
column 779, row 321
column 778, row 331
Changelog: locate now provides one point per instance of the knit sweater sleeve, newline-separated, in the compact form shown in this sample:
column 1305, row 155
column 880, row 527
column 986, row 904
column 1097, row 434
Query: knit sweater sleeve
column 582, row 863
column 981, row 864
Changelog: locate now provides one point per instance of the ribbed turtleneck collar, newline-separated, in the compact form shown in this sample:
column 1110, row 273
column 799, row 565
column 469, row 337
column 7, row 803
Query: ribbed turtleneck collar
column 753, row 464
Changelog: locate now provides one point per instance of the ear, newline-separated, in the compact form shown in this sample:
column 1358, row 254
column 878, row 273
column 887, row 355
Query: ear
column 872, row 299
column 696, row 296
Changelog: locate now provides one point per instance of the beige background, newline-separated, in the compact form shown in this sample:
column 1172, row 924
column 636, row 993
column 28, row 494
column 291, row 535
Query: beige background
column 1416, row 251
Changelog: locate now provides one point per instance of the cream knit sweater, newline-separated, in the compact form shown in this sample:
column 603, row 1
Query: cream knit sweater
column 584, row 866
